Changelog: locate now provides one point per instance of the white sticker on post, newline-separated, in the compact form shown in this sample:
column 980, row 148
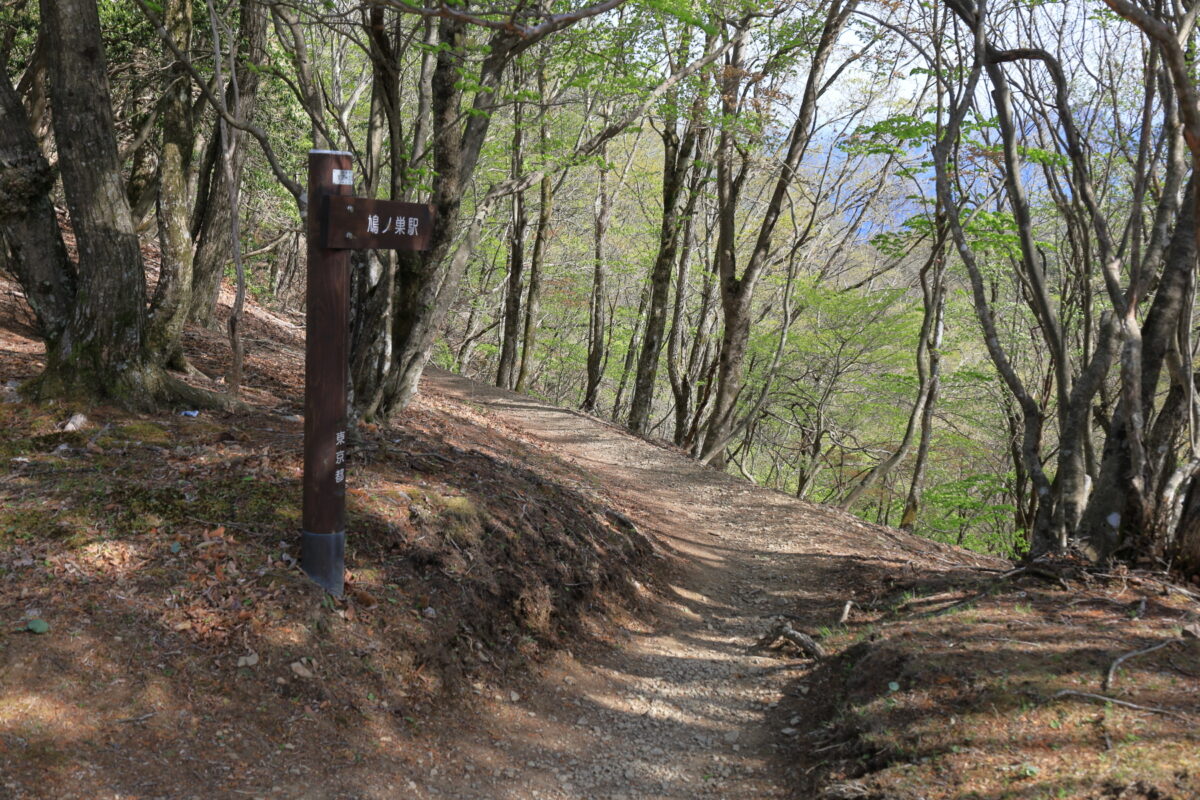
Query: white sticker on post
column 343, row 177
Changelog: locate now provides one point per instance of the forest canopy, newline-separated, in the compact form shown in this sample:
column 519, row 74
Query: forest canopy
column 932, row 262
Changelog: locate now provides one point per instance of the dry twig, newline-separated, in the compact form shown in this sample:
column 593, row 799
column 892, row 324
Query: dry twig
column 1116, row 702
column 1112, row 670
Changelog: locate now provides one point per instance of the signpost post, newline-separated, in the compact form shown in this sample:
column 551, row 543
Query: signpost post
column 337, row 223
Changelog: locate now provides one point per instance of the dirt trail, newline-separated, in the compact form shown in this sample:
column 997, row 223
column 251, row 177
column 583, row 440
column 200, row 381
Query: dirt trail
column 682, row 710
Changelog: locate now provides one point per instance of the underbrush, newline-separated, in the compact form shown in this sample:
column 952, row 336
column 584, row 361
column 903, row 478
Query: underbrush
column 1002, row 689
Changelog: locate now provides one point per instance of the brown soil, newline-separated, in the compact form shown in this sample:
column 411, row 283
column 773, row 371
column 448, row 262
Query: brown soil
column 540, row 606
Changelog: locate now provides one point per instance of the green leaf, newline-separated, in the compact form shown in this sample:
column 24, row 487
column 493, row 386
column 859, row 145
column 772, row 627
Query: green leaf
column 37, row 626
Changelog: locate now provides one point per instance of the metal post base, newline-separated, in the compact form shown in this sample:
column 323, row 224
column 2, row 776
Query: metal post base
column 323, row 558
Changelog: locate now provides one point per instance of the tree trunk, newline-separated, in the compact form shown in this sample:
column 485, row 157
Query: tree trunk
column 597, row 319
column 1112, row 515
column 29, row 229
column 172, row 296
column 506, row 367
column 537, row 264
column 677, row 157
column 631, row 351
column 211, row 219
column 737, row 292
column 102, row 350
column 681, row 377
column 927, row 345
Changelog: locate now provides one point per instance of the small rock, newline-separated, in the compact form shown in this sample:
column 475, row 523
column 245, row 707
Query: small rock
column 430, row 612
column 301, row 670
column 248, row 660
column 731, row 736
column 513, row 696
column 789, row 731
column 75, row 423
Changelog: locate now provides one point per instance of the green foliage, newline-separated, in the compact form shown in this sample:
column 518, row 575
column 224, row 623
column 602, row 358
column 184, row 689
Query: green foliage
column 974, row 512
column 993, row 232
column 681, row 10
column 893, row 136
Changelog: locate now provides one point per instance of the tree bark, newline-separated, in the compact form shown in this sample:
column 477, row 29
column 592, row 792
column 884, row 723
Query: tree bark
column 506, row 368
column 102, row 349
column 597, row 317
column 172, row 296
column 677, row 158
column 211, row 218
column 29, row 231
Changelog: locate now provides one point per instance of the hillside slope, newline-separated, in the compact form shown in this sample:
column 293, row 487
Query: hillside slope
column 540, row 606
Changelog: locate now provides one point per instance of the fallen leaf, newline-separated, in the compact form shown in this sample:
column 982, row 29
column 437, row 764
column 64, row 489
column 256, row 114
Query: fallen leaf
column 362, row 598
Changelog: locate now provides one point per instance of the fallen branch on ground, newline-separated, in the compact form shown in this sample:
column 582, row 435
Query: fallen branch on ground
column 1112, row 670
column 784, row 630
column 1116, row 702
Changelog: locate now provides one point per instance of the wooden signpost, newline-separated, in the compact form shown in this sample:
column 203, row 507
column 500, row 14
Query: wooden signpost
column 337, row 223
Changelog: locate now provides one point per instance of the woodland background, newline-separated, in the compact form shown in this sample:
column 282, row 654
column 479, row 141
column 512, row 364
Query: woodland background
column 933, row 262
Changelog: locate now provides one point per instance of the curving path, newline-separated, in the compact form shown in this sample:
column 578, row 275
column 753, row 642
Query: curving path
column 681, row 710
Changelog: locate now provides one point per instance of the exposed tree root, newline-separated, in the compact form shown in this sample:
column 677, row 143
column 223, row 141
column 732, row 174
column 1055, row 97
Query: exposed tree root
column 144, row 388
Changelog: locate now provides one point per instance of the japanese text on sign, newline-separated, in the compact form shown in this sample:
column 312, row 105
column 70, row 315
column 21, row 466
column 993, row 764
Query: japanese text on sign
column 363, row 223
column 339, row 456
column 406, row 226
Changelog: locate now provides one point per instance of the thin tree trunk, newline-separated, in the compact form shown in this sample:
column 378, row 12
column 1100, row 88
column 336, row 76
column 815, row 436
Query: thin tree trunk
column 677, row 158
column 737, row 292
column 927, row 345
column 916, row 486
column 597, row 320
column 211, row 221
column 631, row 351
column 537, row 263
column 506, row 368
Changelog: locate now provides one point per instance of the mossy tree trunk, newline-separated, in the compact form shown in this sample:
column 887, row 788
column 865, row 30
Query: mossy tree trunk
column 102, row 349
column 92, row 313
column 172, row 296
